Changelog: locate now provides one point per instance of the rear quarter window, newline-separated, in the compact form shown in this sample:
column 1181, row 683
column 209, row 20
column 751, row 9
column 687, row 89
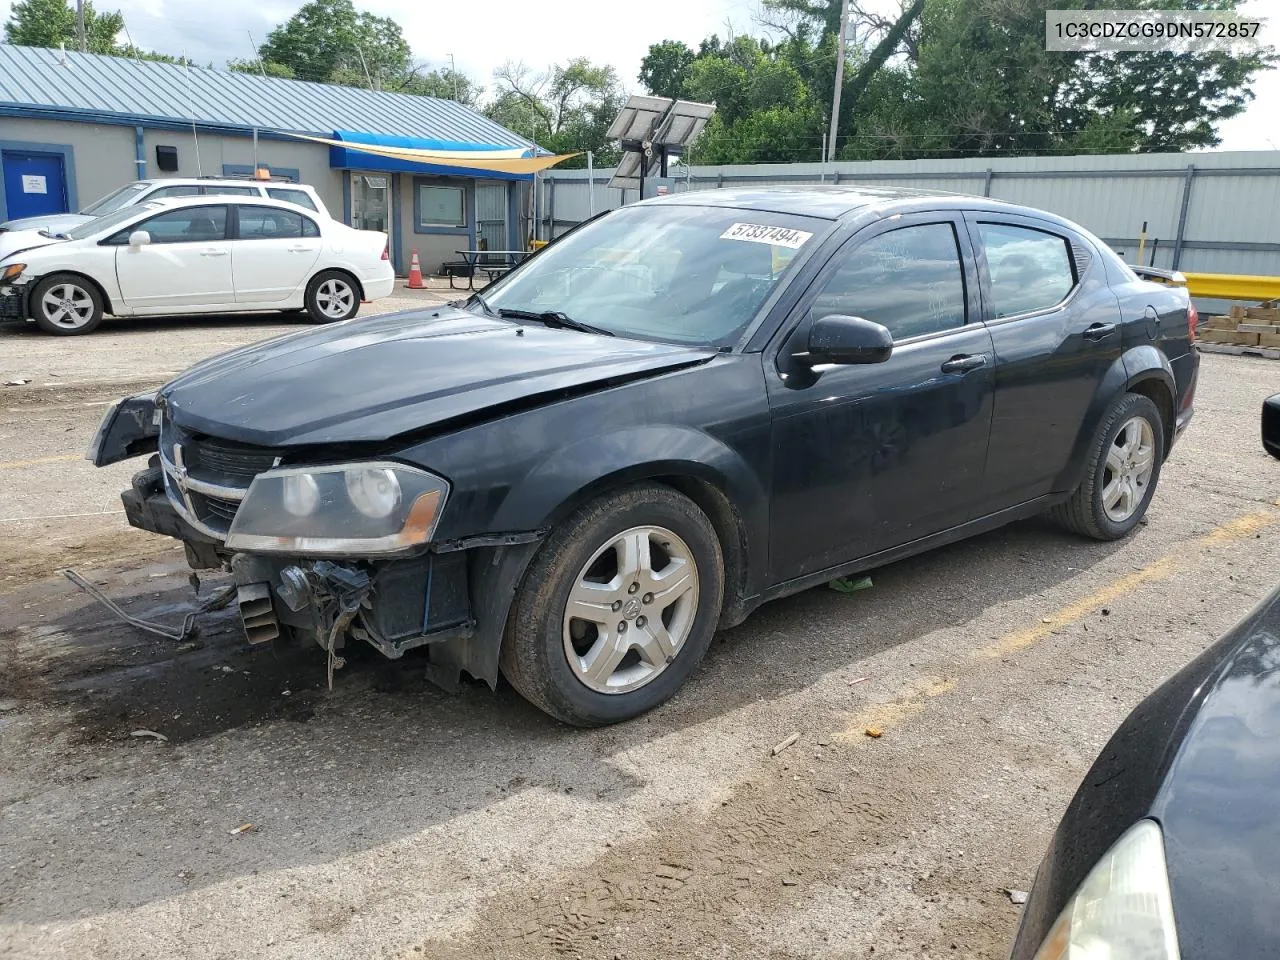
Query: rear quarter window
column 1030, row 269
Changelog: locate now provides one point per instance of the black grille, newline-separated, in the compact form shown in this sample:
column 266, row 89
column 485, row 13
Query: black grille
column 214, row 460
column 215, row 507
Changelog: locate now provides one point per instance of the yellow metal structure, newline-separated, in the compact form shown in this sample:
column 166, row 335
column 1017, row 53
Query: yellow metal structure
column 1229, row 286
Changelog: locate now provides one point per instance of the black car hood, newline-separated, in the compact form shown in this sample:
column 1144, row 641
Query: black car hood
column 1219, row 804
column 370, row 380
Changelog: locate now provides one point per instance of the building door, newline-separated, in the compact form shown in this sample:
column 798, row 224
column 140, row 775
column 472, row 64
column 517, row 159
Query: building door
column 371, row 201
column 491, row 215
column 34, row 184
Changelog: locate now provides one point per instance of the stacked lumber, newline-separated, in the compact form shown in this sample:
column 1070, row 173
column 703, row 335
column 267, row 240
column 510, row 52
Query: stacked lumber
column 1243, row 327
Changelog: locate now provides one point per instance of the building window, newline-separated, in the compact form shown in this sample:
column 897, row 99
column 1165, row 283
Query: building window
column 441, row 206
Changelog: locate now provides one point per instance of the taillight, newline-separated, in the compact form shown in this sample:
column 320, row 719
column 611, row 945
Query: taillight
column 386, row 254
column 1193, row 320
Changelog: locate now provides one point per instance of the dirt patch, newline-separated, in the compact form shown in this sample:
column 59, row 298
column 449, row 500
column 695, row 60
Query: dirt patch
column 82, row 545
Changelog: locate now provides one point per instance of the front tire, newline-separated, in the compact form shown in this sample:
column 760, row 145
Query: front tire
column 332, row 296
column 66, row 305
column 1122, row 472
column 617, row 609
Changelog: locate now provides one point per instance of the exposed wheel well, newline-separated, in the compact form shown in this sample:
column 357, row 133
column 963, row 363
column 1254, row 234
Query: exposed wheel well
column 1158, row 393
column 106, row 301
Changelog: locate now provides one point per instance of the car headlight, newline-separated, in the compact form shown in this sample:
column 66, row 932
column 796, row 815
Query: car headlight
column 1123, row 910
column 12, row 272
column 366, row 509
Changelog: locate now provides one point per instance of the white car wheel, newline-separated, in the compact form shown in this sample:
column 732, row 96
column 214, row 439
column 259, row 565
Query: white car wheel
column 332, row 296
column 66, row 304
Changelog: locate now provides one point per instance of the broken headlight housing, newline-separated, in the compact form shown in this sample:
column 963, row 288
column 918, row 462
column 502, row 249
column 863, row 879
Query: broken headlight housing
column 361, row 509
column 1123, row 910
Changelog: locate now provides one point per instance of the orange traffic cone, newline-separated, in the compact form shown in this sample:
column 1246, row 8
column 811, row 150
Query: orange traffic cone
column 415, row 273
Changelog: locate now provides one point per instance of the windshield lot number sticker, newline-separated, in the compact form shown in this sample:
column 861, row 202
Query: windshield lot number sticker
column 760, row 233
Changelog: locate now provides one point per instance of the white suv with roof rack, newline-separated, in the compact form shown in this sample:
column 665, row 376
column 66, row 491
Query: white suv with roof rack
column 164, row 188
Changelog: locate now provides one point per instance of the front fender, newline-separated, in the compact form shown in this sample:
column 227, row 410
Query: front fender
column 1138, row 365
column 587, row 467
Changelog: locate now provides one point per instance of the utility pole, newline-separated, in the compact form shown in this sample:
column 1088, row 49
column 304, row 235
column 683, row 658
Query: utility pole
column 80, row 37
column 835, row 98
column 453, row 69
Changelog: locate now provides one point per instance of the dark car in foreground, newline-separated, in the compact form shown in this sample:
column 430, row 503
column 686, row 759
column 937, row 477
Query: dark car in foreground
column 674, row 413
column 1168, row 849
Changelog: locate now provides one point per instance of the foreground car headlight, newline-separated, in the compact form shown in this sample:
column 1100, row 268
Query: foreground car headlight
column 1123, row 910
column 367, row 509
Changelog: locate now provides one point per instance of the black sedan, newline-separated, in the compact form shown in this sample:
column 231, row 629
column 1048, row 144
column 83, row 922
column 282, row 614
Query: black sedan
column 1168, row 849
column 676, row 412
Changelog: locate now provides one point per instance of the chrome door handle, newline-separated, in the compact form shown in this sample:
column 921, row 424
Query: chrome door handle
column 964, row 363
column 301, row 249
column 213, row 253
column 1099, row 331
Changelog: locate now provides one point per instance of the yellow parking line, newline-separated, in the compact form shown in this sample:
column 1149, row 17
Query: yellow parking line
column 19, row 464
column 913, row 701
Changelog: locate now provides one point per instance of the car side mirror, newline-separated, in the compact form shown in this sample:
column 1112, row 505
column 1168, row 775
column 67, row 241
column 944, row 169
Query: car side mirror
column 139, row 238
column 839, row 339
column 1271, row 425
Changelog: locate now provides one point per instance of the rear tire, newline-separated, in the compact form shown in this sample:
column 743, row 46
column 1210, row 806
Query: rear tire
column 1122, row 472
column 646, row 564
column 66, row 305
column 332, row 296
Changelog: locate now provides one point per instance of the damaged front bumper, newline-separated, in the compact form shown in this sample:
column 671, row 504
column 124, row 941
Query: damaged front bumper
column 452, row 598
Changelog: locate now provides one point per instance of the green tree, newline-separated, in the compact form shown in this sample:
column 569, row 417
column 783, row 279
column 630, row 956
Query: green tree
column 565, row 109
column 260, row 67
column 443, row 83
column 665, row 68
column 328, row 41
column 48, row 23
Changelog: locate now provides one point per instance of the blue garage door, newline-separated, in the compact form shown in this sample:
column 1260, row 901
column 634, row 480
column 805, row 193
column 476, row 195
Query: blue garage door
column 34, row 184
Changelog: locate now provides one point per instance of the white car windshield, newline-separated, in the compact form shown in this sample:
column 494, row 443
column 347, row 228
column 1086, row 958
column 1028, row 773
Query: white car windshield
column 110, row 221
column 115, row 200
column 684, row 274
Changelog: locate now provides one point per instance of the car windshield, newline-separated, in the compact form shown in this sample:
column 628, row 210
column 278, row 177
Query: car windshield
column 684, row 274
column 115, row 200
column 109, row 222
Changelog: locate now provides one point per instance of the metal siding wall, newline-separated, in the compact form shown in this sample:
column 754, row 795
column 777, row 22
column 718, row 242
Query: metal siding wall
column 104, row 155
column 491, row 212
column 1109, row 195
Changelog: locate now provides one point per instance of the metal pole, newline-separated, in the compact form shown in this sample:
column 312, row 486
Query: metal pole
column 80, row 37
column 453, row 69
column 255, row 152
column 1181, row 235
column 835, row 97
column 591, row 185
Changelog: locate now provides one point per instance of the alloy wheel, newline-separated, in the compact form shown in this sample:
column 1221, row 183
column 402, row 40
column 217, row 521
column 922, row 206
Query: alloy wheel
column 631, row 609
column 67, row 305
column 335, row 298
column 1130, row 464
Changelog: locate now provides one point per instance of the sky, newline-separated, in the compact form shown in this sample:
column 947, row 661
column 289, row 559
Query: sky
column 483, row 37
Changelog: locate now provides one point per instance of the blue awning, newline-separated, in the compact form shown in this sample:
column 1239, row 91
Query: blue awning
column 353, row 158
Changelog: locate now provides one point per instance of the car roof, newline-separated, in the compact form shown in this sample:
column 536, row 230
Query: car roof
column 224, row 182
column 218, row 199
column 836, row 201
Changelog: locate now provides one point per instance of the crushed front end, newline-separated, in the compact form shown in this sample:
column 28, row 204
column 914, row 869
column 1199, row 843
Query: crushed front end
column 320, row 548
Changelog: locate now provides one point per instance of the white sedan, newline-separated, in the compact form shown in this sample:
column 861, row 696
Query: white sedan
column 195, row 255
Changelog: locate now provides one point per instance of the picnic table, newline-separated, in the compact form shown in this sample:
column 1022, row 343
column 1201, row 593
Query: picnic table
column 493, row 263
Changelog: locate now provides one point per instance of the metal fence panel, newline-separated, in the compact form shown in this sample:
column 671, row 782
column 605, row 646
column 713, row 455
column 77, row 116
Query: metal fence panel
column 1223, row 209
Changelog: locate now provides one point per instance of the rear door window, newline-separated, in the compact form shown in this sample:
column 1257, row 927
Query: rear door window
column 230, row 191
column 270, row 223
column 1029, row 269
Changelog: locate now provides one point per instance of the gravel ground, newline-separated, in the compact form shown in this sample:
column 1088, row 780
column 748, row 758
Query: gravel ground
column 392, row 820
